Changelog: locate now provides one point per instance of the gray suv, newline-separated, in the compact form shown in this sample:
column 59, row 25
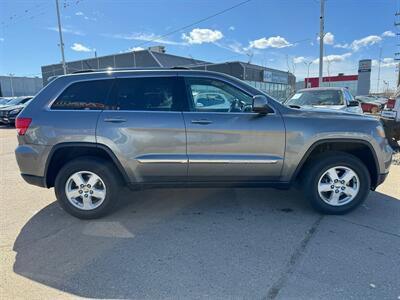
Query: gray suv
column 89, row 134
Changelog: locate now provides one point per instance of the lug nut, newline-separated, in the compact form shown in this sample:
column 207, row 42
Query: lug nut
column 80, row 191
column 82, row 185
column 336, row 180
column 337, row 191
column 91, row 192
column 342, row 182
column 343, row 187
column 88, row 186
column 86, row 195
column 332, row 186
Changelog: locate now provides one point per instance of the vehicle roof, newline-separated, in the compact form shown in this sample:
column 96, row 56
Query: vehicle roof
column 323, row 89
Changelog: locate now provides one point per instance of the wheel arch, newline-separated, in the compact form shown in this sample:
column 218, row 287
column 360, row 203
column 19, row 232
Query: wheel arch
column 360, row 148
column 61, row 153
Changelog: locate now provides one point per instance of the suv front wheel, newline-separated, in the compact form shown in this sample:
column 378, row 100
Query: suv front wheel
column 87, row 187
column 336, row 183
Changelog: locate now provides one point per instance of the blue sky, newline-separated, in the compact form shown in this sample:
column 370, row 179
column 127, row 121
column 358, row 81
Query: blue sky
column 276, row 33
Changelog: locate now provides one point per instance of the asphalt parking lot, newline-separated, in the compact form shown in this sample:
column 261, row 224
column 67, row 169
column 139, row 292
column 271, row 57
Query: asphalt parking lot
column 196, row 244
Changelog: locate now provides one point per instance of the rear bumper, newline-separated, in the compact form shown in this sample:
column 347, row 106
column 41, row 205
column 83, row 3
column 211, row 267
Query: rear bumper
column 34, row 180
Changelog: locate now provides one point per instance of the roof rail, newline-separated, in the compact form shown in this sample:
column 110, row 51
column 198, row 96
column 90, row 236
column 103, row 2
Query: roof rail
column 83, row 71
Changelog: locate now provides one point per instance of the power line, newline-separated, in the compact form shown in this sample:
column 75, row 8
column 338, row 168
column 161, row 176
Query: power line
column 194, row 23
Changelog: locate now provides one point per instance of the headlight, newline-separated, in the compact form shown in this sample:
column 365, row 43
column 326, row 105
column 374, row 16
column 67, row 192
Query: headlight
column 15, row 111
column 380, row 131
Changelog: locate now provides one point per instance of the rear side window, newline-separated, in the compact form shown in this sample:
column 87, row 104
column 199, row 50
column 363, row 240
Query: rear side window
column 146, row 94
column 87, row 95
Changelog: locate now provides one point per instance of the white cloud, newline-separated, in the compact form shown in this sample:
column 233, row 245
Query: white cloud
column 233, row 46
column 146, row 37
column 387, row 62
column 202, row 35
column 271, row 42
column 1, row 39
column 388, row 34
column 80, row 48
column 79, row 13
column 299, row 59
column 365, row 42
column 343, row 46
column 328, row 38
column 67, row 30
column 231, row 28
column 334, row 58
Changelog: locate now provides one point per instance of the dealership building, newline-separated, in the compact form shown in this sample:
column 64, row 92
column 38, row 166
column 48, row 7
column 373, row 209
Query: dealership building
column 358, row 84
column 278, row 84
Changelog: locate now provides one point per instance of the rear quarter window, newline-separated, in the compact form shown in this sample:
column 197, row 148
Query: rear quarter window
column 85, row 95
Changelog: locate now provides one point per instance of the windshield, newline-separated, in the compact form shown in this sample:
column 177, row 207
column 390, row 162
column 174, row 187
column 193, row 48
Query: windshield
column 316, row 97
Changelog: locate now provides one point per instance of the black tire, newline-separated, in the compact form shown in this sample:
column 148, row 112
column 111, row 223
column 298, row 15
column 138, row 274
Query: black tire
column 108, row 174
column 319, row 166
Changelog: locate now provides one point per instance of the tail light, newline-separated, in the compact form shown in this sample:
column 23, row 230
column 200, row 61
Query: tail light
column 22, row 125
column 391, row 103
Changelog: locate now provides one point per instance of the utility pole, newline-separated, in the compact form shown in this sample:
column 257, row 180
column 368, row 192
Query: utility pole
column 379, row 69
column 12, row 85
column 61, row 39
column 321, row 41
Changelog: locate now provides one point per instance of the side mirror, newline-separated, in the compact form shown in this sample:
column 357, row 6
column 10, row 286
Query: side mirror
column 260, row 104
column 354, row 103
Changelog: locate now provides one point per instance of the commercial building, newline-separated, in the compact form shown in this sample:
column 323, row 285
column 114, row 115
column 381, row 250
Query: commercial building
column 11, row 86
column 278, row 84
column 357, row 84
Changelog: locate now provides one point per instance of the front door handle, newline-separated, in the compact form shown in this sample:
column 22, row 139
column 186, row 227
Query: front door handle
column 201, row 122
column 114, row 120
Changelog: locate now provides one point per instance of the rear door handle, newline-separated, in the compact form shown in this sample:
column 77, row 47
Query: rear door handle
column 201, row 122
column 114, row 120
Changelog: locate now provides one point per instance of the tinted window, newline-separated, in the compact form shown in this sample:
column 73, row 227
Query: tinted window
column 217, row 96
column 146, row 94
column 84, row 95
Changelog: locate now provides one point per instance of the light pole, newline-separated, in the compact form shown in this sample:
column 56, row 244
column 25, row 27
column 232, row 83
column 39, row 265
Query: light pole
column 61, row 39
column 11, row 83
column 308, row 64
column 321, row 40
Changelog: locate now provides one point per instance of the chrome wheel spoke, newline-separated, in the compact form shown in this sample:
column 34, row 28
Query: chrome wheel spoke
column 73, row 193
column 332, row 174
column 347, row 176
column 98, row 193
column 93, row 180
column 334, row 199
column 349, row 191
column 78, row 179
column 87, row 202
column 325, row 187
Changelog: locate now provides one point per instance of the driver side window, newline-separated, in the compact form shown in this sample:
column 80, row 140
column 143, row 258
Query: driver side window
column 210, row 95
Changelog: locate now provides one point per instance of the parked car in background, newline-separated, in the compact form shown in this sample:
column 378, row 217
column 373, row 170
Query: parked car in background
column 390, row 117
column 369, row 105
column 8, row 114
column 90, row 134
column 16, row 101
column 333, row 98
column 4, row 100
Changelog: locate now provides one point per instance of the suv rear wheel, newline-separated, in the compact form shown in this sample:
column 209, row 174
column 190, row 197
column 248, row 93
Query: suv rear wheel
column 336, row 183
column 87, row 187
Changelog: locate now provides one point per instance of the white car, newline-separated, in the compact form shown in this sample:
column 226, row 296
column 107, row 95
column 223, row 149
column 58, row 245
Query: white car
column 325, row 98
